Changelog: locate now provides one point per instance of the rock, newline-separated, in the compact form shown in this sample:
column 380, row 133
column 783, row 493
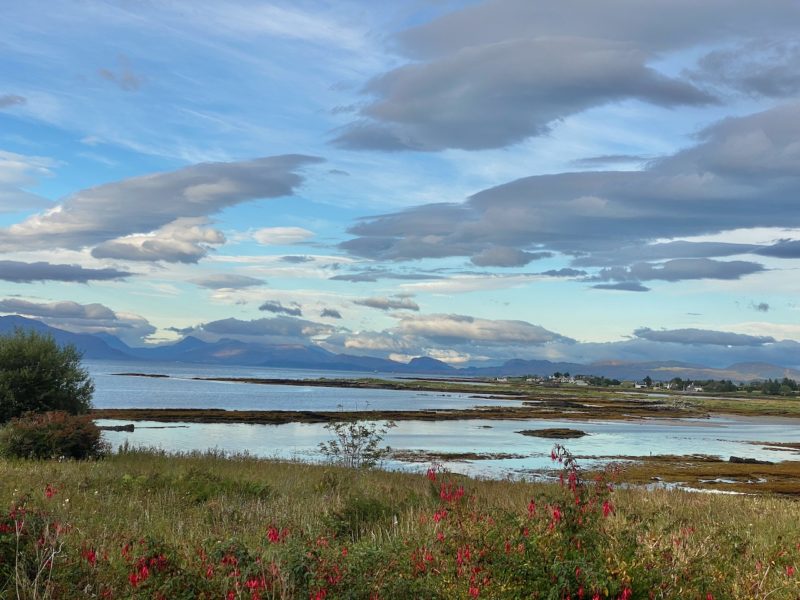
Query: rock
column 555, row 433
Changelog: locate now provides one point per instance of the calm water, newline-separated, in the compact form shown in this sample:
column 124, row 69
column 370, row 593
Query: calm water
column 719, row 436
column 181, row 391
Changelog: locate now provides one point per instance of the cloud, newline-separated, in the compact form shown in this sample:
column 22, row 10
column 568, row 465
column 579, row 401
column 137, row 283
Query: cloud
column 376, row 273
column 17, row 173
column 743, row 172
column 760, row 307
column 275, row 306
column 497, row 72
column 499, row 256
column 66, row 309
column 82, row 318
column 661, row 251
column 271, row 330
column 147, row 203
column 330, row 313
column 123, row 77
column 625, row 286
column 24, row 272
column 609, row 159
column 184, row 240
column 9, row 100
column 701, row 337
column 297, row 259
column 218, row 281
column 450, row 328
column 399, row 303
column 783, row 249
column 680, row 269
column 769, row 68
column 529, row 84
column 281, row 236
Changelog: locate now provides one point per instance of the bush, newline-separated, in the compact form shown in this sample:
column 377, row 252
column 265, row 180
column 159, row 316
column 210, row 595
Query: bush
column 51, row 435
column 356, row 444
column 38, row 375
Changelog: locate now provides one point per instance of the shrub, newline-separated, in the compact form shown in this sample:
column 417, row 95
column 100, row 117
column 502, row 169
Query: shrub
column 51, row 435
column 356, row 444
column 36, row 374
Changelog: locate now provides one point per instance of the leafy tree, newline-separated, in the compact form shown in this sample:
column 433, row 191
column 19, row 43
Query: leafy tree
column 356, row 444
column 37, row 375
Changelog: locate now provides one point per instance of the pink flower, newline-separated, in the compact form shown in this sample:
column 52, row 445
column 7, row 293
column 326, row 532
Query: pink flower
column 789, row 571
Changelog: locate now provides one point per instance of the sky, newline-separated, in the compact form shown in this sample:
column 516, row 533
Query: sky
column 471, row 181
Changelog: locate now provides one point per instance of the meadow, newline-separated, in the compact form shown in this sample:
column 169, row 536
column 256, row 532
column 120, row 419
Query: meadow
column 146, row 524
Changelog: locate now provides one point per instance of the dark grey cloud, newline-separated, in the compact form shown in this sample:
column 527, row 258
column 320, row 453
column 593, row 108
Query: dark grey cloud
column 678, row 249
column 82, row 318
column 500, row 71
column 528, row 83
column 565, row 272
column 742, row 173
column 376, row 273
column 297, row 259
column 769, row 68
column 623, row 286
column 148, row 203
column 65, row 309
column 783, row 249
column 23, row 272
column 398, row 303
column 702, row 336
column 760, row 307
column 217, row 281
column 500, row 256
column 274, row 306
column 330, row 313
column 680, row 269
column 9, row 100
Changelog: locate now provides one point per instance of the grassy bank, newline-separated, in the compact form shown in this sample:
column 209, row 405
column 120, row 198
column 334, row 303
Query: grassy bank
column 144, row 525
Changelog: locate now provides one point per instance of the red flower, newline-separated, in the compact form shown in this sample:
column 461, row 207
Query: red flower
column 474, row 591
column 50, row 491
column 431, row 474
column 531, row 507
column 608, row 508
column 90, row 556
column 789, row 571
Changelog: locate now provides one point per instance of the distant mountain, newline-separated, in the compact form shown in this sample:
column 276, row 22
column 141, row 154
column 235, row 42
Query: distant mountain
column 92, row 346
column 104, row 346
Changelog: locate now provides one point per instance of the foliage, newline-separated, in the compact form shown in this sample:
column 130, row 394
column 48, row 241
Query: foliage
column 52, row 434
column 356, row 444
column 38, row 375
column 133, row 526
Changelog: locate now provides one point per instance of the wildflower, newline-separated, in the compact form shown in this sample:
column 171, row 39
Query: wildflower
column 90, row 556
column 431, row 474
column 273, row 535
column 608, row 508
column 531, row 508
column 627, row 594
column 474, row 591
column 50, row 491
column 556, row 514
column 789, row 571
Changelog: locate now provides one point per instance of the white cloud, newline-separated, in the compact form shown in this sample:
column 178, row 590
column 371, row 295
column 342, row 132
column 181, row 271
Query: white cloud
column 280, row 236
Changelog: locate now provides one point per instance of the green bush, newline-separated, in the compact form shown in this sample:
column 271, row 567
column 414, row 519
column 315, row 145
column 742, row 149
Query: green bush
column 38, row 375
column 51, row 435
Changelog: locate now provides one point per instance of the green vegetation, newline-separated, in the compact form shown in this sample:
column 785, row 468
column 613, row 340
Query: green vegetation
column 53, row 434
column 37, row 375
column 150, row 525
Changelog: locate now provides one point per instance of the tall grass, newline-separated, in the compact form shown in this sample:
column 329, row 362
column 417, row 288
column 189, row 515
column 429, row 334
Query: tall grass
column 146, row 524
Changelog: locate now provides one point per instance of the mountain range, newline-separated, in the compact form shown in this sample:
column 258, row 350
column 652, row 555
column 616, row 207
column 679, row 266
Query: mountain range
column 103, row 346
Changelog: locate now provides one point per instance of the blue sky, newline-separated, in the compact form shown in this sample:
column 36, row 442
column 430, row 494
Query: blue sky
column 471, row 181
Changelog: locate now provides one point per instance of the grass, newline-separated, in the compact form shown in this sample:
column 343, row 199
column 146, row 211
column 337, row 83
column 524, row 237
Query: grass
column 210, row 526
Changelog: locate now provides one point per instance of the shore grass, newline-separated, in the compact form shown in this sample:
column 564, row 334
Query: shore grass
column 145, row 524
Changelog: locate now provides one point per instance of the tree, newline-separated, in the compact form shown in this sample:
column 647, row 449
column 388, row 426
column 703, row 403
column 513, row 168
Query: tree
column 37, row 375
column 356, row 444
